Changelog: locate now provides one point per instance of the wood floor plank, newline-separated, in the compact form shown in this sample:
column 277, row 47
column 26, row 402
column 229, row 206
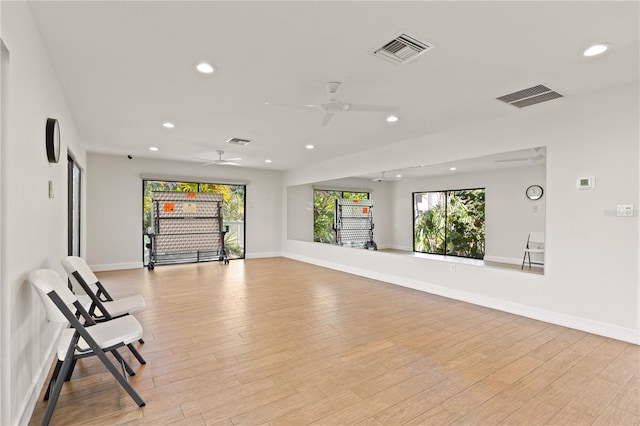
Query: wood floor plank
column 280, row 342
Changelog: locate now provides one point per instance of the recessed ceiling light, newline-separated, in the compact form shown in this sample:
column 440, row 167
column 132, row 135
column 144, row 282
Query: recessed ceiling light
column 268, row 161
column 310, row 146
column 168, row 125
column 398, row 176
column 392, row 119
column 154, row 148
column 205, row 68
column 452, row 168
column 596, row 49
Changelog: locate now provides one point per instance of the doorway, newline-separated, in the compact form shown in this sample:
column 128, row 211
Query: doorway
column 74, row 188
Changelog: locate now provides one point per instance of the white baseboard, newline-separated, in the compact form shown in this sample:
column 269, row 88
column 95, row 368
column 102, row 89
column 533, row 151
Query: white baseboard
column 500, row 259
column 25, row 411
column 262, row 255
column 116, row 266
column 578, row 323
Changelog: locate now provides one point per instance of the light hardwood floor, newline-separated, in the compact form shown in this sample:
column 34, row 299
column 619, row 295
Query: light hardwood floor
column 280, row 342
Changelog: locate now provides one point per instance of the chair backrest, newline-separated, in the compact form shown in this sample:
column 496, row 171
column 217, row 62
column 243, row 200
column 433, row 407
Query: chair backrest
column 77, row 264
column 45, row 281
column 536, row 237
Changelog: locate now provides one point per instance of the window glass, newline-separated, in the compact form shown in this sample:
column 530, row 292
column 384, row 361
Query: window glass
column 450, row 222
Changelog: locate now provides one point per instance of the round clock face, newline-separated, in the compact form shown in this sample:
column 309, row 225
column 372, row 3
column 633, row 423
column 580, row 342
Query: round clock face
column 53, row 140
column 534, row 192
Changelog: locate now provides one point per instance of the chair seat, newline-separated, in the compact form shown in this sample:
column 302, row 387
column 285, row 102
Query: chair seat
column 125, row 330
column 126, row 305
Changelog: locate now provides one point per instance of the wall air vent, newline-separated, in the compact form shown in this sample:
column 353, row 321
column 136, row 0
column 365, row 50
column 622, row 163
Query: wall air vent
column 238, row 141
column 402, row 49
column 531, row 96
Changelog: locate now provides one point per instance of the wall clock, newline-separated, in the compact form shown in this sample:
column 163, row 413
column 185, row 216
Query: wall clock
column 53, row 140
column 534, row 192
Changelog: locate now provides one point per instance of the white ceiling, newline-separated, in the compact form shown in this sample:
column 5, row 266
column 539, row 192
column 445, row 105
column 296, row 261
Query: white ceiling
column 126, row 67
column 504, row 160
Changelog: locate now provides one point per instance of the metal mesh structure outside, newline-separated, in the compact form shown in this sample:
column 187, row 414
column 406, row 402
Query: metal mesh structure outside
column 353, row 223
column 187, row 226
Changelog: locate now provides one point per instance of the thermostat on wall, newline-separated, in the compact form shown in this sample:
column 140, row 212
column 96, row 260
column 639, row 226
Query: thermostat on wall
column 585, row 182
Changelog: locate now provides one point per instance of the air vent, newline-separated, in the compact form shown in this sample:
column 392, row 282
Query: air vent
column 402, row 49
column 531, row 96
column 238, row 141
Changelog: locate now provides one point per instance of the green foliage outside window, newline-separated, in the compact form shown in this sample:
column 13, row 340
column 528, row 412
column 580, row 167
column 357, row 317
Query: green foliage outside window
column 324, row 202
column 450, row 222
column 232, row 205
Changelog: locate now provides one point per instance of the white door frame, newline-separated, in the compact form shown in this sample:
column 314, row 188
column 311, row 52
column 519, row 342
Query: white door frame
column 5, row 370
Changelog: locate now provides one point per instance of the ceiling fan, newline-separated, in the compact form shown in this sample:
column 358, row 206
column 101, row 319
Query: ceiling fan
column 537, row 155
column 334, row 106
column 220, row 161
column 380, row 178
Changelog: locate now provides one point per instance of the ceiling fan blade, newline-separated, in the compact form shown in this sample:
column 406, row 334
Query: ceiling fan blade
column 327, row 117
column 207, row 161
column 364, row 107
column 296, row 106
column 233, row 159
column 228, row 163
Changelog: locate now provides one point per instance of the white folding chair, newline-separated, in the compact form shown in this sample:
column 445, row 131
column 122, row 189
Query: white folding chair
column 85, row 282
column 82, row 340
column 535, row 246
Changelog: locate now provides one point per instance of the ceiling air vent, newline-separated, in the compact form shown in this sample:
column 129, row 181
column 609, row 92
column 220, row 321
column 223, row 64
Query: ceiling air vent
column 531, row 96
column 238, row 141
column 402, row 49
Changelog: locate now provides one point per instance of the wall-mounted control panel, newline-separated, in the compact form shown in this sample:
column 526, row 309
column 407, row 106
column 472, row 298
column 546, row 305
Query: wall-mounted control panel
column 624, row 210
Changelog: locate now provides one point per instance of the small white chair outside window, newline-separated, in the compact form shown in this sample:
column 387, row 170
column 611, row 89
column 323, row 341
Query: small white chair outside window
column 535, row 247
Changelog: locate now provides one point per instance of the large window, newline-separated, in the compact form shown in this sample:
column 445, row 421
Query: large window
column 324, row 202
column 449, row 222
column 233, row 211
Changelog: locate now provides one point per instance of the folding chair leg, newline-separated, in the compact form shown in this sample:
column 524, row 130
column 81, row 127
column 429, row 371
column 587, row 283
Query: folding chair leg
column 136, row 354
column 54, row 376
column 55, row 390
column 121, row 379
column 73, row 367
column 122, row 362
column 141, row 341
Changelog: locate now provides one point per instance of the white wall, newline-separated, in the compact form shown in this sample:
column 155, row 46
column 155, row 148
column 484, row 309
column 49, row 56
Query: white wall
column 509, row 215
column 34, row 227
column 114, row 200
column 591, row 271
